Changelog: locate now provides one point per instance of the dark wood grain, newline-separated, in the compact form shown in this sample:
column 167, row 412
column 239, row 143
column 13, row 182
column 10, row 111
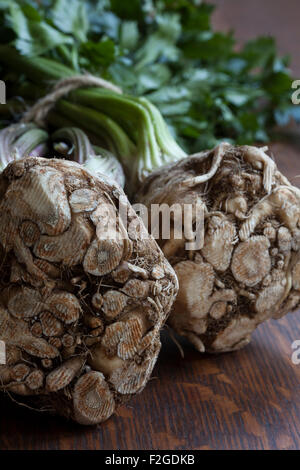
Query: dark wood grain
column 242, row 400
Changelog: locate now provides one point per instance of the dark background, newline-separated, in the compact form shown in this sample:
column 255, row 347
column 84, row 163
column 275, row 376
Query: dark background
column 250, row 18
column 243, row 400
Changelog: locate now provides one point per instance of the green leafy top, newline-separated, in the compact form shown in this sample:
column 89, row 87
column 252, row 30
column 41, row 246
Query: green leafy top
column 167, row 51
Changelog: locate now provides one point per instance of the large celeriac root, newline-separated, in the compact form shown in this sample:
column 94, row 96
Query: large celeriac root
column 247, row 268
column 80, row 312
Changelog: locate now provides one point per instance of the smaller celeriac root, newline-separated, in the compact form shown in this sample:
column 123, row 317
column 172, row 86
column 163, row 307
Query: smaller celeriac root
column 246, row 269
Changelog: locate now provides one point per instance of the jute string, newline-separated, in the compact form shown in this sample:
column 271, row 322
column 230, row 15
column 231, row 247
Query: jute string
column 39, row 111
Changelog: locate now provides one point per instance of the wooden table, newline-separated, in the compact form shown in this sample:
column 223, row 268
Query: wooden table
column 243, row 400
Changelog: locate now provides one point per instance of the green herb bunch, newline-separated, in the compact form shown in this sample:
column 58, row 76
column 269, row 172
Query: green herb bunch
column 164, row 50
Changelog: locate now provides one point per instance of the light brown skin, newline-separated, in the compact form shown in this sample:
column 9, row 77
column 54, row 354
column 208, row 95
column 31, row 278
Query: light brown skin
column 247, row 270
column 80, row 338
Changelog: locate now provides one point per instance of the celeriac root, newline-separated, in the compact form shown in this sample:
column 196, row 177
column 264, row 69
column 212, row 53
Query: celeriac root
column 248, row 267
column 80, row 337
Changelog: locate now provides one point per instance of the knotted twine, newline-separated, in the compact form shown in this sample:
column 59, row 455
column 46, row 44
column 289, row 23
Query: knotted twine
column 39, row 111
